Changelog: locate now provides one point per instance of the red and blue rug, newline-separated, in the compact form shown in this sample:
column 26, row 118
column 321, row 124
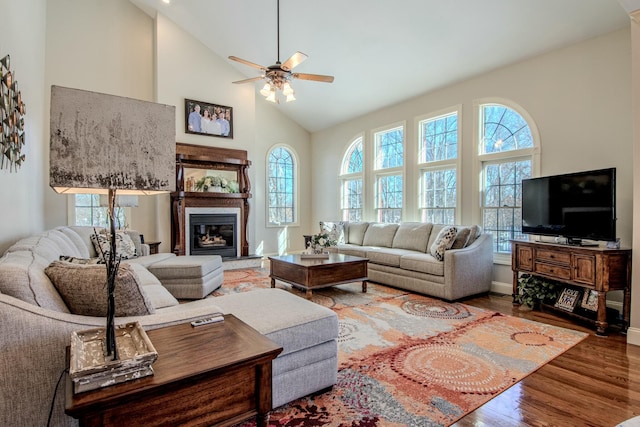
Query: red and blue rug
column 407, row 359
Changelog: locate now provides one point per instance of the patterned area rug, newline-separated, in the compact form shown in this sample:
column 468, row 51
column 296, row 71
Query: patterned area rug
column 407, row 359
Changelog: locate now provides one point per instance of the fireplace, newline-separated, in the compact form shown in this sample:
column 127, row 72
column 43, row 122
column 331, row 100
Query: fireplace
column 212, row 231
column 210, row 220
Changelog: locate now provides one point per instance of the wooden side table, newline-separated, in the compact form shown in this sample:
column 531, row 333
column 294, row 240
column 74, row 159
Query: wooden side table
column 153, row 247
column 215, row 374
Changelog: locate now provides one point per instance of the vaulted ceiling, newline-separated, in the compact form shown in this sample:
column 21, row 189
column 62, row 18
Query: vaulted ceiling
column 382, row 52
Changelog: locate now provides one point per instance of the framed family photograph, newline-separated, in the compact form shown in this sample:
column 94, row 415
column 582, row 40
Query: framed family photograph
column 203, row 118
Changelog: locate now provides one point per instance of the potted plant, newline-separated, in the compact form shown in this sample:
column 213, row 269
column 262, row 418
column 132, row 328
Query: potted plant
column 533, row 290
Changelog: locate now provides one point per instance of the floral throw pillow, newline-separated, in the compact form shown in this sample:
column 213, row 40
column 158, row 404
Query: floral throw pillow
column 335, row 230
column 443, row 242
column 75, row 260
column 124, row 245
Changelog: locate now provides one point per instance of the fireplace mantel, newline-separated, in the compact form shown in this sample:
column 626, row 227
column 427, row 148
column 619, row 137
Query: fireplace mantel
column 198, row 159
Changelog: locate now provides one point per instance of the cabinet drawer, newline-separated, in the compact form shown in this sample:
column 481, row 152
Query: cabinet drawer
column 553, row 256
column 553, row 270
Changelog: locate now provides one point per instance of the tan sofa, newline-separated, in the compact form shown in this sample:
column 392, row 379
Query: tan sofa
column 400, row 255
column 36, row 326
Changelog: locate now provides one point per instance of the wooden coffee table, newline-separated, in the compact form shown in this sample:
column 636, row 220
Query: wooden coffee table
column 215, row 374
column 311, row 274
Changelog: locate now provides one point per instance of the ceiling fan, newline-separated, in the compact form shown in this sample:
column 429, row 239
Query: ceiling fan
column 278, row 75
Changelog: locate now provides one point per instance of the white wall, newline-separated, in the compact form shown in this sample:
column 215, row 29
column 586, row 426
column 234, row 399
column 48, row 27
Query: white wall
column 186, row 69
column 579, row 98
column 101, row 46
column 22, row 36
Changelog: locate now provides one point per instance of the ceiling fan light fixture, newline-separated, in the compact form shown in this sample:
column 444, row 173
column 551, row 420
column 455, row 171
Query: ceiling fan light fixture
column 265, row 90
column 272, row 96
column 287, row 89
column 290, row 97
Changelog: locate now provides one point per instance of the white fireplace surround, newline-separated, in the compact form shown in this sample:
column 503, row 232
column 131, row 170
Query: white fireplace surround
column 209, row 211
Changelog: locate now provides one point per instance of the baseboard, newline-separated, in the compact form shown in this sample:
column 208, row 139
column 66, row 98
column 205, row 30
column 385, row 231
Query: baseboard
column 502, row 288
column 633, row 336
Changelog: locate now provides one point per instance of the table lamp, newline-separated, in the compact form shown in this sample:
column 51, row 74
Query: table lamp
column 103, row 143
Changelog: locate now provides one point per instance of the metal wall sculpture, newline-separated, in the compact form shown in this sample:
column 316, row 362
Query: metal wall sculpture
column 12, row 111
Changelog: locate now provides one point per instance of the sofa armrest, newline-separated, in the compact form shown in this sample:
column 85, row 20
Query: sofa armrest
column 469, row 270
column 144, row 249
column 33, row 342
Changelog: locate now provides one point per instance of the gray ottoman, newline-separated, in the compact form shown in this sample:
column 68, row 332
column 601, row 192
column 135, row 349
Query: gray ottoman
column 189, row 277
column 307, row 332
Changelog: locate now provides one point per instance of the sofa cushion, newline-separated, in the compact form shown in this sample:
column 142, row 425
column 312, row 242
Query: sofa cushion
column 349, row 249
column 78, row 242
column 83, row 289
column 380, row 234
column 462, row 237
column 422, row 263
column 356, row 232
column 184, row 267
column 335, row 230
column 158, row 295
column 413, row 236
column 387, row 256
column 66, row 245
column 23, row 278
column 125, row 247
column 443, row 242
column 301, row 324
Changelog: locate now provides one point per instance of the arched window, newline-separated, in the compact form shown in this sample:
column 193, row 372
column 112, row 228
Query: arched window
column 351, row 180
column 281, row 187
column 507, row 144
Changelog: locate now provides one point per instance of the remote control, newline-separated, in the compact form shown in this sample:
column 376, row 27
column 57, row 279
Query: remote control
column 207, row 320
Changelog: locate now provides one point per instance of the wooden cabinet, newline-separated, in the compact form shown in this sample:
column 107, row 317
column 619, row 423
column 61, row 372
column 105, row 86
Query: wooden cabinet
column 591, row 268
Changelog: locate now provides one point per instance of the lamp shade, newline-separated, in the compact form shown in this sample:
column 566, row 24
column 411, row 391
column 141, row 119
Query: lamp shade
column 102, row 142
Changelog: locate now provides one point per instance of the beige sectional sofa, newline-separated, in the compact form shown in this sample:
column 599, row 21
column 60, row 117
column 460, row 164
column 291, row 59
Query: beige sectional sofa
column 36, row 326
column 406, row 255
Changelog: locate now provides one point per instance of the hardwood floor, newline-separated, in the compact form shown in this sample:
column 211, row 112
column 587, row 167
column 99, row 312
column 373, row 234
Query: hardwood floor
column 595, row 383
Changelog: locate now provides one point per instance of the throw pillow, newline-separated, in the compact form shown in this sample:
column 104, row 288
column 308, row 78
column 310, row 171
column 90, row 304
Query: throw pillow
column 475, row 232
column 461, row 238
column 443, row 242
column 83, row 287
column 75, row 260
column 124, row 245
column 335, row 230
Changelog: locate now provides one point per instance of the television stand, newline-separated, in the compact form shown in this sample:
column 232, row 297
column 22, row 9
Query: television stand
column 592, row 269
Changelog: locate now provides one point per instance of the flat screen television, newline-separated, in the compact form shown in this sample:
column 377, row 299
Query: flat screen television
column 577, row 206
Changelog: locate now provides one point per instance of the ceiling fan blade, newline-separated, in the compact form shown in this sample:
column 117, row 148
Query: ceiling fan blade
column 249, row 63
column 314, row 77
column 295, row 60
column 253, row 79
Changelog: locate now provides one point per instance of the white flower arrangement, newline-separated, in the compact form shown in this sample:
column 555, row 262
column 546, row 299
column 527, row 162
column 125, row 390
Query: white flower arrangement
column 322, row 240
column 228, row 186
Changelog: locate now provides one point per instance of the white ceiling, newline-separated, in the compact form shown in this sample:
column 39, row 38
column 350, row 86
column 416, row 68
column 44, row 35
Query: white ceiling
column 382, row 52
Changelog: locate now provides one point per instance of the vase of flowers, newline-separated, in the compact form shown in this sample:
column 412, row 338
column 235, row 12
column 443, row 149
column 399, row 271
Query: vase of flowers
column 320, row 242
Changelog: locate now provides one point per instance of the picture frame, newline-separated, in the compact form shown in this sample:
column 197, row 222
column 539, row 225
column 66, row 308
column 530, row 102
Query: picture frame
column 220, row 126
column 590, row 300
column 568, row 299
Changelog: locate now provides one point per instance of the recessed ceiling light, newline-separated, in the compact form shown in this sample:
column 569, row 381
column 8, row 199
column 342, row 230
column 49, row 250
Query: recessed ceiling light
column 166, row 1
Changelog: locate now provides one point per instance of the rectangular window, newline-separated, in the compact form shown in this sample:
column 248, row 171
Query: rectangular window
column 438, row 196
column 352, row 200
column 439, row 138
column 389, row 148
column 389, row 198
column 502, row 201
column 88, row 211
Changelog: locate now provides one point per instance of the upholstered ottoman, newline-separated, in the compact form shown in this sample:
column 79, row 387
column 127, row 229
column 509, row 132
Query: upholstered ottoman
column 189, row 277
column 307, row 332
